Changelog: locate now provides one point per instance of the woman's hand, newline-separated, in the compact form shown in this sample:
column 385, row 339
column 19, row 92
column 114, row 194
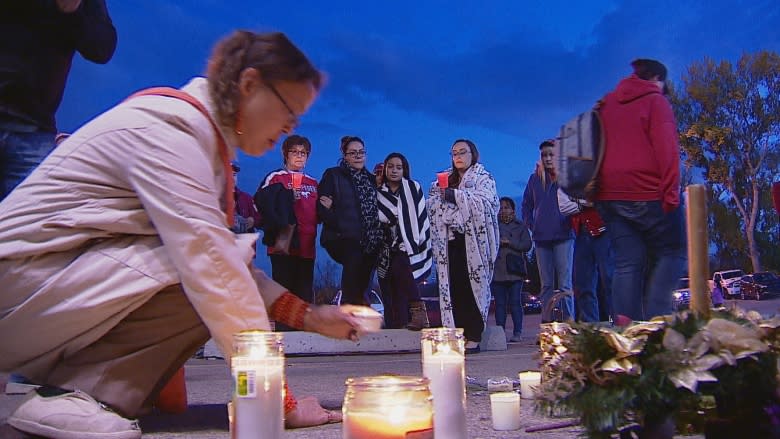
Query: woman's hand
column 332, row 321
column 326, row 201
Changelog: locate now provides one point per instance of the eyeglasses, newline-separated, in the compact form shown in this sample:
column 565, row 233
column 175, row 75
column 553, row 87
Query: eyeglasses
column 460, row 153
column 293, row 117
column 298, row 152
column 355, row 154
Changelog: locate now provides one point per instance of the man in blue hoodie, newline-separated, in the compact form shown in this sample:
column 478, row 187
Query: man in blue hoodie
column 552, row 233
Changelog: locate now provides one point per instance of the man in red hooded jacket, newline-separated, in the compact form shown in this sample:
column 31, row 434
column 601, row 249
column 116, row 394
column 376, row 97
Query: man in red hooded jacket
column 639, row 192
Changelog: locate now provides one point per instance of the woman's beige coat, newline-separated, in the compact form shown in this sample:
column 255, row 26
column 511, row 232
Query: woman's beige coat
column 133, row 202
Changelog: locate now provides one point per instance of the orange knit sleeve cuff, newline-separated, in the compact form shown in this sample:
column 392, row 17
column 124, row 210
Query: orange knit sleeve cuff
column 289, row 400
column 290, row 310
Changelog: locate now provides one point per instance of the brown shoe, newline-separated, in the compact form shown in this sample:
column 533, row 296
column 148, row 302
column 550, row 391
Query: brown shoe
column 419, row 318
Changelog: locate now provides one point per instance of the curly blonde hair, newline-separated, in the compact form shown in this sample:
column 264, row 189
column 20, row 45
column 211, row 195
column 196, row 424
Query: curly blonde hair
column 272, row 54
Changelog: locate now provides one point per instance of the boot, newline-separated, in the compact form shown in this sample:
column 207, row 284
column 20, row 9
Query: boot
column 419, row 318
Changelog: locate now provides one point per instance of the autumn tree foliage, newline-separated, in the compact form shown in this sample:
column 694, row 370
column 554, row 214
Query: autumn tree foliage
column 729, row 120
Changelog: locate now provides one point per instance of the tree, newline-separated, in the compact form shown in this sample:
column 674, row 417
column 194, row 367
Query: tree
column 729, row 120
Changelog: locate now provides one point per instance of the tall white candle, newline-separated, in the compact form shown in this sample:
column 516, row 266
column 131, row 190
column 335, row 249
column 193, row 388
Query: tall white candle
column 505, row 410
column 529, row 380
column 259, row 398
column 446, row 370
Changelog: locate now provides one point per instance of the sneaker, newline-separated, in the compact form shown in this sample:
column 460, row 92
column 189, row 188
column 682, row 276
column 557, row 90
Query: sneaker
column 19, row 385
column 72, row 415
column 516, row 338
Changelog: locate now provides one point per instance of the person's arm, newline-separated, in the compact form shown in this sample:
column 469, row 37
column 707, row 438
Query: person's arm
column 663, row 138
column 95, row 33
column 527, row 208
column 327, row 188
column 521, row 243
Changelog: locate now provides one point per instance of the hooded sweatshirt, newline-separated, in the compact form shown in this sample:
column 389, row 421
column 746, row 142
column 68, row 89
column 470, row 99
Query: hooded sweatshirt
column 642, row 156
column 540, row 210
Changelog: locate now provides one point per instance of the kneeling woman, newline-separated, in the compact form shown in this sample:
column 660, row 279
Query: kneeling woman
column 405, row 256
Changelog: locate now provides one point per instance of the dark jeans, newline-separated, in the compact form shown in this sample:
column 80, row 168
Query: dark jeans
column 398, row 289
column 356, row 270
column 294, row 273
column 513, row 291
column 593, row 267
column 554, row 259
column 464, row 306
column 637, row 231
column 20, row 153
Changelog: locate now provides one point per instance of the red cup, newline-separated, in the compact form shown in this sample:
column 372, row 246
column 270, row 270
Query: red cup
column 442, row 178
column 776, row 195
column 297, row 179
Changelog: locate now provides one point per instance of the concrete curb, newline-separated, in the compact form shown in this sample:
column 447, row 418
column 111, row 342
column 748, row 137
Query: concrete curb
column 384, row 341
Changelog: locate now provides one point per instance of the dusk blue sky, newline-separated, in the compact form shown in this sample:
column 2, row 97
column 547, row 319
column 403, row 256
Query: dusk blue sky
column 412, row 76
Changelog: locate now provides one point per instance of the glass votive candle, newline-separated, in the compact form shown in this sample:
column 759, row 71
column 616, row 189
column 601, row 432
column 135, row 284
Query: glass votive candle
column 505, row 410
column 387, row 407
column 368, row 319
column 529, row 382
column 499, row 384
column 257, row 365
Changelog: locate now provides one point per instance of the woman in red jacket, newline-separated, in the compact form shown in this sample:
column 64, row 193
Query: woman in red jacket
column 291, row 245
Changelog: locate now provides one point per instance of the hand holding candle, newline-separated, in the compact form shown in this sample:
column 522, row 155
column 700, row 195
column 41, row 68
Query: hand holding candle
column 334, row 321
column 297, row 179
column 368, row 320
column 442, row 179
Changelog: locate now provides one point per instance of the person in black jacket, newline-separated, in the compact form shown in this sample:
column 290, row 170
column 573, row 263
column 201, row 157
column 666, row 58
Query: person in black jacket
column 351, row 232
column 38, row 39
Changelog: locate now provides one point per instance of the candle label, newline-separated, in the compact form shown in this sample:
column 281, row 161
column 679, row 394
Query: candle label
column 246, row 383
column 420, row 434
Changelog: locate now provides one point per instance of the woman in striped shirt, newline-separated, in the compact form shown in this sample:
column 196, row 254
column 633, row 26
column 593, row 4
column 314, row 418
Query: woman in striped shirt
column 405, row 255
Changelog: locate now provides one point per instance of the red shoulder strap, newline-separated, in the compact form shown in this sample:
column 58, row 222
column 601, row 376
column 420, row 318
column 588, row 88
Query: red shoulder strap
column 223, row 151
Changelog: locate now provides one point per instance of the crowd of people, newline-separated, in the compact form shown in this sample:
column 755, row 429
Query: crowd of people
column 129, row 244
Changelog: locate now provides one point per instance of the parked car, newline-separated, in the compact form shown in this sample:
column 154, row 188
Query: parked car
column 730, row 280
column 759, row 285
column 532, row 304
column 429, row 293
column 681, row 296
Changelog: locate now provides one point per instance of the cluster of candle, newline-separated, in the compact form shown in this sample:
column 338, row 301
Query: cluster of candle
column 384, row 407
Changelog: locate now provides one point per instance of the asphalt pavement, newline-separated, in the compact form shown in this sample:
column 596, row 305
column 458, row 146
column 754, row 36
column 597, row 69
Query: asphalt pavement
column 209, row 387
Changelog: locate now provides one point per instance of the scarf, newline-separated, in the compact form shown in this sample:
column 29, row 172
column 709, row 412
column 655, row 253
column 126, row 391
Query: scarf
column 370, row 230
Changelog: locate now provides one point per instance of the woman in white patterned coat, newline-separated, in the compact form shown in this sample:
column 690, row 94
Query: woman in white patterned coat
column 464, row 233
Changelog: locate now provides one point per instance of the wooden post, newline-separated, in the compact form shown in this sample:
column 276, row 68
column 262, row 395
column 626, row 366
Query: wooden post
column 698, row 254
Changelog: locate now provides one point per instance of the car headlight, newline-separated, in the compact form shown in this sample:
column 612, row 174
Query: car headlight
column 677, row 295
